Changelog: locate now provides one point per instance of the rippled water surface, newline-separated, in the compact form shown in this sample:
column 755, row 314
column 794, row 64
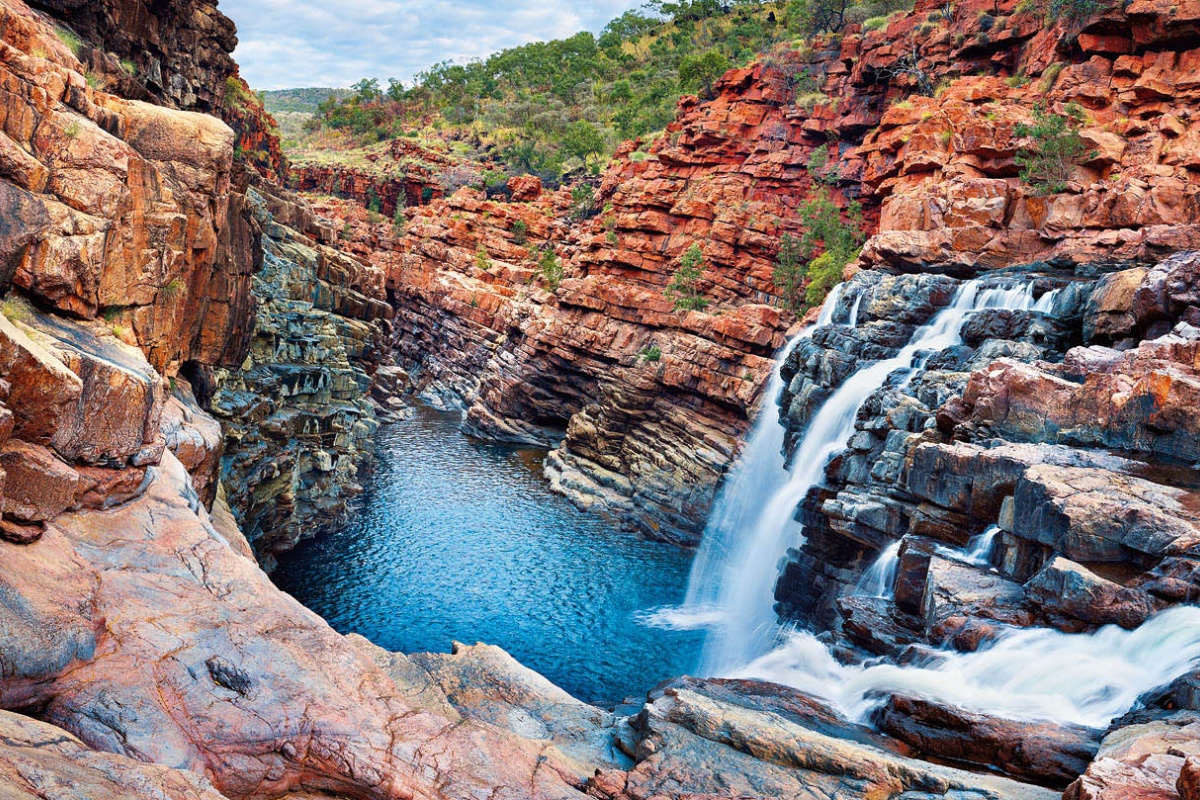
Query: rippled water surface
column 462, row 541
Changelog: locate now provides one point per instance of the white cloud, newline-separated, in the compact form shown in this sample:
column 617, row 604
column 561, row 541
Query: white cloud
column 298, row 43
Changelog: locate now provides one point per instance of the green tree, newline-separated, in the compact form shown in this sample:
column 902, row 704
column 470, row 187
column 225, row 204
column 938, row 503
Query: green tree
column 828, row 244
column 791, row 268
column 367, row 90
column 810, row 17
column 684, row 287
column 583, row 140
column 1056, row 148
column 551, row 270
column 701, row 71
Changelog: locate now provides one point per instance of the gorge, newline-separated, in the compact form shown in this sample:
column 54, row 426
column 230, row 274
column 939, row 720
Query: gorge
column 288, row 449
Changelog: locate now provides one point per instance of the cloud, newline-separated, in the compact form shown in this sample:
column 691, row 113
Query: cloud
column 297, row 43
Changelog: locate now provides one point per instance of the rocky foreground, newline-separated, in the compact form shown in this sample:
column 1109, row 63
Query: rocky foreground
column 193, row 363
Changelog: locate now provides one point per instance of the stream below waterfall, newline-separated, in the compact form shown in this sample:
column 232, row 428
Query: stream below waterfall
column 461, row 540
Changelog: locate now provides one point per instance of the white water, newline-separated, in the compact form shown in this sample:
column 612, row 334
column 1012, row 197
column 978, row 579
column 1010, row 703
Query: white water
column 1024, row 674
column 880, row 578
column 979, row 549
column 1032, row 673
column 759, row 472
column 752, row 525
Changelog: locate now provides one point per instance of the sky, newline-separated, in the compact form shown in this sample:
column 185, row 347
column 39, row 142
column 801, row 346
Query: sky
column 286, row 44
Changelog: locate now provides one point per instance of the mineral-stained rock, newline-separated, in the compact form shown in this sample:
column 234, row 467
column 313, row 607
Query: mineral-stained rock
column 41, row 762
column 1041, row 752
column 297, row 417
column 690, row 744
column 485, row 683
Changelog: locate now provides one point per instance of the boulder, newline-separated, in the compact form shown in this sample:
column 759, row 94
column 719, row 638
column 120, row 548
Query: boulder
column 1068, row 589
column 1044, row 753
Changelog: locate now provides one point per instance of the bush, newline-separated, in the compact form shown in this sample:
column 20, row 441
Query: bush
column 583, row 202
column 482, row 260
column 684, row 287
column 816, row 260
column 700, row 72
column 520, row 232
column 652, row 353
column 551, row 270
column 875, row 23
column 790, row 271
column 1057, row 148
column 374, row 203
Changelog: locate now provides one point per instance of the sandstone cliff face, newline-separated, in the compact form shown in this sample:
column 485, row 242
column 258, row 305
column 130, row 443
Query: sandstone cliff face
column 120, row 209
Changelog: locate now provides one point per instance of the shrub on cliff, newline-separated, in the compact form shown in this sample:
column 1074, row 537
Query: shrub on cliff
column 808, row 267
column 1056, row 148
column 584, row 204
column 684, row 287
column 550, row 269
column 520, row 232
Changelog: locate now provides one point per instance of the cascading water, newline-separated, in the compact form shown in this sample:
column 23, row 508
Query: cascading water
column 1025, row 674
column 979, row 549
column 1030, row 673
column 880, row 578
column 752, row 525
column 759, row 473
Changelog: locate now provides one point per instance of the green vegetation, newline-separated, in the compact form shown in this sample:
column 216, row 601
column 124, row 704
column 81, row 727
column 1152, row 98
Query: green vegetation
column 173, row 289
column 551, row 271
column 237, row 96
column 73, row 129
column 482, row 260
column 651, row 353
column 698, row 72
column 16, row 308
column 684, row 287
column 97, row 82
column 302, row 101
column 520, row 232
column 73, row 42
column 584, row 204
column 399, row 221
column 1056, row 148
column 808, row 267
column 129, row 67
column 821, row 169
column 558, row 107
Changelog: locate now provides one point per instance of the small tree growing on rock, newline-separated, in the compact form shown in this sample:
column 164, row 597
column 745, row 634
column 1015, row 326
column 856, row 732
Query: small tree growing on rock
column 790, row 270
column 684, row 287
column 807, row 268
column 1057, row 148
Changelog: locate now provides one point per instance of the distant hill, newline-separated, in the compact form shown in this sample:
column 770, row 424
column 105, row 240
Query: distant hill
column 303, row 101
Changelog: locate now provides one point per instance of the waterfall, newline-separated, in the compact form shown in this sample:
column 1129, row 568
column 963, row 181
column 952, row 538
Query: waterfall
column 979, row 549
column 1023, row 674
column 757, row 475
column 1026, row 674
column 880, row 578
column 752, row 525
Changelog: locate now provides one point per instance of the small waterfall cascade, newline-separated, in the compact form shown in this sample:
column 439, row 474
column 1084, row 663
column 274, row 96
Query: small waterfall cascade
column 880, row 578
column 979, row 549
column 1026, row 674
column 759, row 472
